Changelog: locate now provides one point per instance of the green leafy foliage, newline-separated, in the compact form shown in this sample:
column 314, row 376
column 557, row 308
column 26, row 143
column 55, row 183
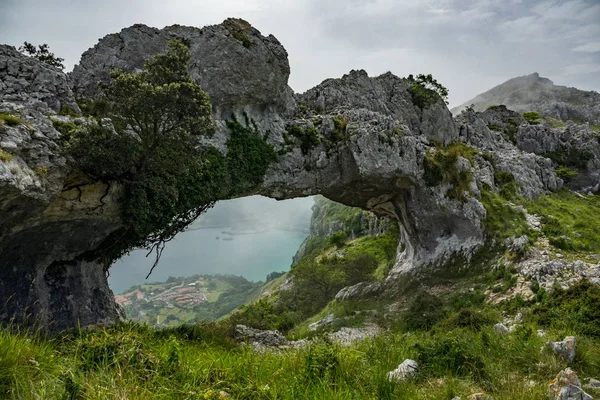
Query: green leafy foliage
column 67, row 129
column 532, row 117
column 340, row 124
column 566, row 173
column 458, row 355
column 42, row 53
column 506, row 183
column 316, row 282
column 426, row 91
column 575, row 309
column 570, row 157
column 4, row 156
column 309, row 137
column 502, row 220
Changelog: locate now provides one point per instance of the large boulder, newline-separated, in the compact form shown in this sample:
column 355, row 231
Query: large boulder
column 232, row 62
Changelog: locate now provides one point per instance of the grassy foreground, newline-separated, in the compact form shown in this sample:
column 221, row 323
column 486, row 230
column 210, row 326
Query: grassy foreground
column 459, row 355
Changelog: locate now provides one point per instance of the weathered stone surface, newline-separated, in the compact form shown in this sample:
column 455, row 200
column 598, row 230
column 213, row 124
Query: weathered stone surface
column 565, row 349
column 501, row 329
column 49, row 217
column 260, row 337
column 25, row 81
column 347, row 336
column 405, row 371
column 566, row 386
column 328, row 320
column 232, row 62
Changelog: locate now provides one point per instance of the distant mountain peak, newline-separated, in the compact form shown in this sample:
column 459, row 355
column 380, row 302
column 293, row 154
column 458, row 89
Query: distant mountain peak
column 536, row 93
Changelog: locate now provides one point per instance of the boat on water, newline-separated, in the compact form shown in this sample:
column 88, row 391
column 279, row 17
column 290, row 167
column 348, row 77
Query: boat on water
column 217, row 237
column 227, row 238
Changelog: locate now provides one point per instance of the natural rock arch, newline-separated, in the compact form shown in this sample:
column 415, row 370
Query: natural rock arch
column 373, row 143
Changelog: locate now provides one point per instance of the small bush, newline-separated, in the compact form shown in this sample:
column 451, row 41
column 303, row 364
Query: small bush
column 470, row 318
column 450, row 356
column 340, row 123
column 532, row 117
column 506, row 183
column 41, row 171
column 67, row 129
column 424, row 311
column 566, row 173
column 338, row 239
column 426, row 91
column 571, row 158
column 576, row 309
column 309, row 137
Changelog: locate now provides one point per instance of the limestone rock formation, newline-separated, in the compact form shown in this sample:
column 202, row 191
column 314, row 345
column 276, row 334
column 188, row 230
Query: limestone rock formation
column 371, row 146
column 567, row 386
column 565, row 349
column 406, row 370
column 49, row 216
column 535, row 93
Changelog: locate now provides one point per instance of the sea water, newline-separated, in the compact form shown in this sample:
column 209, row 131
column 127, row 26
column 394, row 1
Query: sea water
column 251, row 255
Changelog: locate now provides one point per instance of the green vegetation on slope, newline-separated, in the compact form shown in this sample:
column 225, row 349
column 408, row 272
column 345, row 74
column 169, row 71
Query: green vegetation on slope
column 458, row 352
column 569, row 220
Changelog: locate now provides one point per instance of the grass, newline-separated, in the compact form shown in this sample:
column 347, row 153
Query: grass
column 458, row 355
column 569, row 221
column 10, row 120
column 502, row 220
column 4, row 156
column 440, row 167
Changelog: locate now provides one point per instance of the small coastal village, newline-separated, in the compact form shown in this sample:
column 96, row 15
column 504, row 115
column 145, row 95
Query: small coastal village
column 179, row 295
column 185, row 300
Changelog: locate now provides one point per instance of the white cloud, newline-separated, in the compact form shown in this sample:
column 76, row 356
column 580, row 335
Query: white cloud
column 580, row 69
column 591, row 47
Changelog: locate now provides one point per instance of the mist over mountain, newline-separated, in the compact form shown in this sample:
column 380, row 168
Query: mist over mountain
column 535, row 93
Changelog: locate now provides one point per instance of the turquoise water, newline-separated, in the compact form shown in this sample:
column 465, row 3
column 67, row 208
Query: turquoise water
column 252, row 256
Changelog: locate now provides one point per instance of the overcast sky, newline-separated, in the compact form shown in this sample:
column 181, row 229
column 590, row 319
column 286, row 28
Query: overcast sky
column 468, row 45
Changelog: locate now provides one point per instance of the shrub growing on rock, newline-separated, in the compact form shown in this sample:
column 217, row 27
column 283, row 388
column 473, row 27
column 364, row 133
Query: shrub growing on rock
column 168, row 178
column 42, row 53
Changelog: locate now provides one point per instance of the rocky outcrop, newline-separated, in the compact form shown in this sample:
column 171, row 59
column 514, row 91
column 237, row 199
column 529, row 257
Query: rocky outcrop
column 406, row 370
column 535, row 93
column 371, row 149
column 567, row 386
column 565, row 349
column 48, row 215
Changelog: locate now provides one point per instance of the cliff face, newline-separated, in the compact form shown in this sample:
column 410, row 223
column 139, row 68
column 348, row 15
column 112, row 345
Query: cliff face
column 329, row 218
column 376, row 150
